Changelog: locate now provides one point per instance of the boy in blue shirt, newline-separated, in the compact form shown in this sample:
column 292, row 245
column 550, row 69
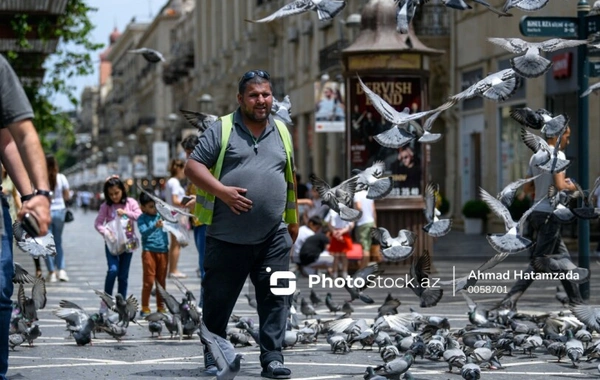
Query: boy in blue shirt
column 155, row 249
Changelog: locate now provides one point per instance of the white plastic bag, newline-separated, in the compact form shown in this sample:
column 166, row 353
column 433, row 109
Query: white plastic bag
column 115, row 237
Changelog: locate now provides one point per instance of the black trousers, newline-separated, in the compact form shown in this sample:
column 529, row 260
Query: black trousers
column 546, row 229
column 227, row 266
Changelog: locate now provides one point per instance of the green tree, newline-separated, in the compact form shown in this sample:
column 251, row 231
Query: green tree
column 72, row 58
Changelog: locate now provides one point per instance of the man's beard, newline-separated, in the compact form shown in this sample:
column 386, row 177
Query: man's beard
column 250, row 115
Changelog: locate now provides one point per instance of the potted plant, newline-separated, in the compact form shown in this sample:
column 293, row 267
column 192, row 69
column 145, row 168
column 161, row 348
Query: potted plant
column 475, row 212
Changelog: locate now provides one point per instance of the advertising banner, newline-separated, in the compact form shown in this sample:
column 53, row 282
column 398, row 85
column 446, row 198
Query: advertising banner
column 330, row 111
column 404, row 164
column 160, row 159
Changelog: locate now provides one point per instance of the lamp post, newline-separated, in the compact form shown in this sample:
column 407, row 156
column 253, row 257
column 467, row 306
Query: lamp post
column 149, row 133
column 173, row 118
column 205, row 101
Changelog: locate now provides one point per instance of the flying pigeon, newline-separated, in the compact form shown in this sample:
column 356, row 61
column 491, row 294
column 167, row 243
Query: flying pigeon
column 395, row 249
column 507, row 195
column 531, row 64
column 512, row 241
column 149, row 55
column 525, row 5
column 198, row 119
column 593, row 88
column 530, row 118
column 370, row 179
column 498, row 86
column 167, row 212
column 587, row 209
column 79, row 323
column 555, row 164
column 555, row 125
column 227, row 361
column 461, row 5
column 282, row 110
column 338, row 198
column 435, row 227
column 544, row 154
column 21, row 276
column 40, row 246
column 595, row 10
column 419, row 272
column 30, row 306
column 405, row 14
column 326, row 9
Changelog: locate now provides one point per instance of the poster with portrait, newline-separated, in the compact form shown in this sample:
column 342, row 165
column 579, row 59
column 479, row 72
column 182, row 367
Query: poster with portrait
column 404, row 164
column 330, row 110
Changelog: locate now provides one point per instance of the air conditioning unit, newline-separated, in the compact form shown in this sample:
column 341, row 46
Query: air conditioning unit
column 292, row 34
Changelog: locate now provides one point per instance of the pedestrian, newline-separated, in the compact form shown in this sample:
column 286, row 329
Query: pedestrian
column 174, row 194
column 315, row 223
column 544, row 226
column 367, row 221
column 248, row 196
column 309, row 251
column 58, row 210
column 155, row 252
column 116, row 204
column 340, row 241
column 188, row 144
column 21, row 152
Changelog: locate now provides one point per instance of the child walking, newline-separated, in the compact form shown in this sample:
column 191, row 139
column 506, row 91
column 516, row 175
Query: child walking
column 116, row 204
column 155, row 253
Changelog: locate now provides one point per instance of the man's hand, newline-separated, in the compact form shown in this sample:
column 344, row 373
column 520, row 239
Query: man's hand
column 39, row 208
column 232, row 196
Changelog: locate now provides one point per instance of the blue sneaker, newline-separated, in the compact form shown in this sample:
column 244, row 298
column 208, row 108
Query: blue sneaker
column 210, row 365
column 144, row 314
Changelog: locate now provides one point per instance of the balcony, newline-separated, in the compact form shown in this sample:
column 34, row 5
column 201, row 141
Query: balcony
column 331, row 56
column 51, row 7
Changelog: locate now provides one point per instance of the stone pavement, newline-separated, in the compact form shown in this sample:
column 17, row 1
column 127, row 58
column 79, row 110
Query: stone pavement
column 141, row 357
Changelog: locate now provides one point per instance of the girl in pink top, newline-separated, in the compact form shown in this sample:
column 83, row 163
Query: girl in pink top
column 116, row 204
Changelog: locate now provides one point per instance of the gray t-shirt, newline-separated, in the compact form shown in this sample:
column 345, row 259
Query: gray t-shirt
column 14, row 105
column 543, row 182
column 261, row 170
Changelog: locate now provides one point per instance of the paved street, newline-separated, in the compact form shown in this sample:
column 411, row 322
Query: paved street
column 141, row 357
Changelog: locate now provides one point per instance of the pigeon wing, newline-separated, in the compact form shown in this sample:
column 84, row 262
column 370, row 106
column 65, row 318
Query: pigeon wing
column 198, row 119
column 21, row 276
column 528, row 117
column 430, row 191
column 388, row 112
column 131, row 307
column 328, row 9
column 382, row 236
column 394, row 137
column 588, row 315
column 183, row 288
column 294, row 8
column 529, row 5
column 534, row 142
column 592, row 88
column 169, row 300
column 513, row 45
column 554, row 44
column 498, row 208
column 592, row 192
column 38, row 293
column 108, row 299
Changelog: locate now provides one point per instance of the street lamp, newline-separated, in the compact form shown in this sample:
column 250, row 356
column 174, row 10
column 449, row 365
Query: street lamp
column 173, row 118
column 205, row 101
column 149, row 133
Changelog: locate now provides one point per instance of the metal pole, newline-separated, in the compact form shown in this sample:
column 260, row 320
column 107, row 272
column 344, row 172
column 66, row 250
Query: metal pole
column 583, row 168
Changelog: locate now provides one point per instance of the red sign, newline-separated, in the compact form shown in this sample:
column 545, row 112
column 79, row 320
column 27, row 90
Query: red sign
column 561, row 65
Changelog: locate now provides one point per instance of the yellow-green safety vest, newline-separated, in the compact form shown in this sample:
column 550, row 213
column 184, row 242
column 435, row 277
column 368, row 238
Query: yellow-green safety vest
column 205, row 202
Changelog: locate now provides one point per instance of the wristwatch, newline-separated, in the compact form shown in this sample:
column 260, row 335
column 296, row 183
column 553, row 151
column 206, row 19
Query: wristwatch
column 46, row 193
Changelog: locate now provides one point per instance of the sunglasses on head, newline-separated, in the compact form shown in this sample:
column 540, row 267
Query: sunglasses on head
column 251, row 74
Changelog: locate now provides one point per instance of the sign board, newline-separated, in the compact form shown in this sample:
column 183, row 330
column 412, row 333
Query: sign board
column 140, row 166
column 160, row 159
column 595, row 69
column 565, row 27
column 592, row 24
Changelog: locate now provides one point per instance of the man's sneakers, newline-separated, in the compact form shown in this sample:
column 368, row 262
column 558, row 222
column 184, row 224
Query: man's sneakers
column 276, row 370
column 210, row 365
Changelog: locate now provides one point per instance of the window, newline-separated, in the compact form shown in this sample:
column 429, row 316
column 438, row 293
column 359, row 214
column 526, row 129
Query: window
column 513, row 154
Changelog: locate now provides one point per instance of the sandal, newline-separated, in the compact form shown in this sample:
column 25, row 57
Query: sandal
column 276, row 370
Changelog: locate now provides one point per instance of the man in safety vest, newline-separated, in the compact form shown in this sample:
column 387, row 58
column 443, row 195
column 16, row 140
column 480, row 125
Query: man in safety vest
column 243, row 166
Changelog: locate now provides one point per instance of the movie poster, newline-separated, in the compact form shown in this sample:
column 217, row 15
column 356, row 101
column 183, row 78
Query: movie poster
column 404, row 164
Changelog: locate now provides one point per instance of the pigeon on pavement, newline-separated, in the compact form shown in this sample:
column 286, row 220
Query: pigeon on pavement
column 326, row 9
column 149, row 55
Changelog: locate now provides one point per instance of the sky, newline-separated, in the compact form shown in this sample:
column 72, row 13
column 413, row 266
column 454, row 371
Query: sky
column 110, row 13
